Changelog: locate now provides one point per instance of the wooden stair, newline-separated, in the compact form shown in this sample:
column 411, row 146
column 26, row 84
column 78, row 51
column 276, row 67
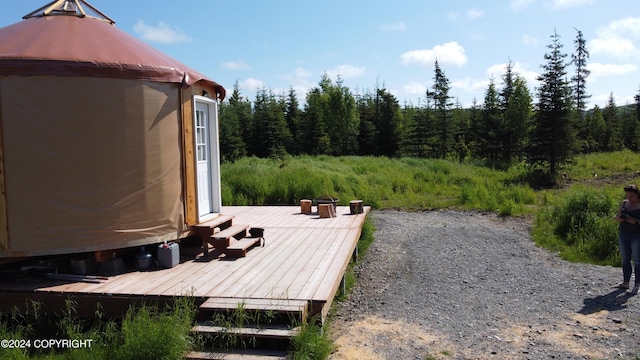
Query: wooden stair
column 265, row 332
column 287, row 309
column 226, row 237
column 240, row 247
column 237, row 355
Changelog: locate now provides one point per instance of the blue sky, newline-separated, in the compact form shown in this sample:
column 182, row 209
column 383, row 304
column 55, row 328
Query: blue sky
column 280, row 44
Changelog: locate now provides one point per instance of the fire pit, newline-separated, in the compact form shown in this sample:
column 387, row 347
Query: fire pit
column 327, row 200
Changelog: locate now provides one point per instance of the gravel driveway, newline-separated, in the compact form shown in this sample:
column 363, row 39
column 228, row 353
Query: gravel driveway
column 468, row 285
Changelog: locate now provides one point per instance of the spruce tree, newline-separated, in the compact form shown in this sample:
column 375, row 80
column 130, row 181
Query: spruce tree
column 389, row 124
column 367, row 135
column 442, row 106
column 292, row 117
column 420, row 133
column 551, row 140
column 579, row 79
column 234, row 114
column 342, row 118
column 612, row 140
column 596, row 131
column 489, row 130
column 516, row 119
column 313, row 127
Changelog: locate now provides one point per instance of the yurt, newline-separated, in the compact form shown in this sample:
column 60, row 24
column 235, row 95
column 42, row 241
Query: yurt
column 105, row 142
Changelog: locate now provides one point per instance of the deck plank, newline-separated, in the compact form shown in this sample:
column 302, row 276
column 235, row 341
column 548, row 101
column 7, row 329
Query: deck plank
column 215, row 284
column 304, row 259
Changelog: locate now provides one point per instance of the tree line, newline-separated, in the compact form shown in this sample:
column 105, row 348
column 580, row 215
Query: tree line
column 506, row 127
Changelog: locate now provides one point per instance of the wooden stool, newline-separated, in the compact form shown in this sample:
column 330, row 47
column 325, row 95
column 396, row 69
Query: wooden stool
column 356, row 207
column 326, row 211
column 305, row 206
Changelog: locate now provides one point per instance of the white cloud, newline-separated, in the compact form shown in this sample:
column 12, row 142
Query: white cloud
column 346, row 71
column 616, row 39
column 529, row 40
column 251, row 84
column 474, row 14
column 598, row 69
column 301, row 73
column 614, row 46
column 161, row 33
column 563, row 4
column 415, row 88
column 300, row 81
column 448, row 53
column 470, row 85
column 235, row 65
column 399, row 26
column 520, row 4
column 497, row 71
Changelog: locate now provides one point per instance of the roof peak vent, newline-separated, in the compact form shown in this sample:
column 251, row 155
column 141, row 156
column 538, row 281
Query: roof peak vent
column 79, row 8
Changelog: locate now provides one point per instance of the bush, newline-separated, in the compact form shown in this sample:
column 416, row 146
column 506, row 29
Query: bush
column 579, row 223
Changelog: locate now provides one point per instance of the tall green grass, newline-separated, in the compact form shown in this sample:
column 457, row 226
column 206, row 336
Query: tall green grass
column 146, row 332
column 405, row 183
column 579, row 224
column 602, row 165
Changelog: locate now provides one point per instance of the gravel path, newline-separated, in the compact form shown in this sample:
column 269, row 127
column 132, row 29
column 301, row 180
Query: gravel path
column 466, row 285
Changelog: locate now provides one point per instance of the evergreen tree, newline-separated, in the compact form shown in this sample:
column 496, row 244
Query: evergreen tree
column 331, row 119
column 389, row 124
column 460, row 118
column 579, row 79
column 612, row 140
column 409, row 116
column 342, row 119
column 634, row 132
column 551, row 140
column 475, row 128
column 506, row 136
column 488, row 130
column 368, row 134
column 292, row 117
column 270, row 126
column 234, row 113
column 313, row 126
column 419, row 135
column 515, row 120
column 596, row 131
column 442, row 106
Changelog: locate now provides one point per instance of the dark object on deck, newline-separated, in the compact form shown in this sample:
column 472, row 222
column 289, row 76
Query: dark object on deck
column 257, row 233
column 327, row 199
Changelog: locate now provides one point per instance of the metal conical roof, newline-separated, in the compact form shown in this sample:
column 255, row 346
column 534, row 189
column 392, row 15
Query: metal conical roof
column 47, row 43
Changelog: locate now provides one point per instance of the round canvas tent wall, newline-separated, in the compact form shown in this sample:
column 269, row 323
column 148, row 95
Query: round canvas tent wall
column 92, row 138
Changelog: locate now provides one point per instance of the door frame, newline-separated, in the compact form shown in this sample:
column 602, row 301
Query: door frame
column 213, row 158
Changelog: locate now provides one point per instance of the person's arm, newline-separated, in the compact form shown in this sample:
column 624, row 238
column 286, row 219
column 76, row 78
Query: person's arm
column 619, row 213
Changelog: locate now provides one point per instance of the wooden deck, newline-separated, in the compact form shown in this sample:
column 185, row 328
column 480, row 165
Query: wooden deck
column 304, row 258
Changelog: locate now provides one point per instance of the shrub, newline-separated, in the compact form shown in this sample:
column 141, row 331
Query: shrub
column 579, row 224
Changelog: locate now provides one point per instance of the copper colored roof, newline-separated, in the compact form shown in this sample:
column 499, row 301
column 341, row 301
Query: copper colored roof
column 87, row 46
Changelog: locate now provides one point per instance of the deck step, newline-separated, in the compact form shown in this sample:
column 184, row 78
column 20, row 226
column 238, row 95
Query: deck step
column 243, row 354
column 221, row 222
column 235, row 231
column 289, row 310
column 207, row 228
column 267, row 333
column 221, row 240
column 240, row 247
